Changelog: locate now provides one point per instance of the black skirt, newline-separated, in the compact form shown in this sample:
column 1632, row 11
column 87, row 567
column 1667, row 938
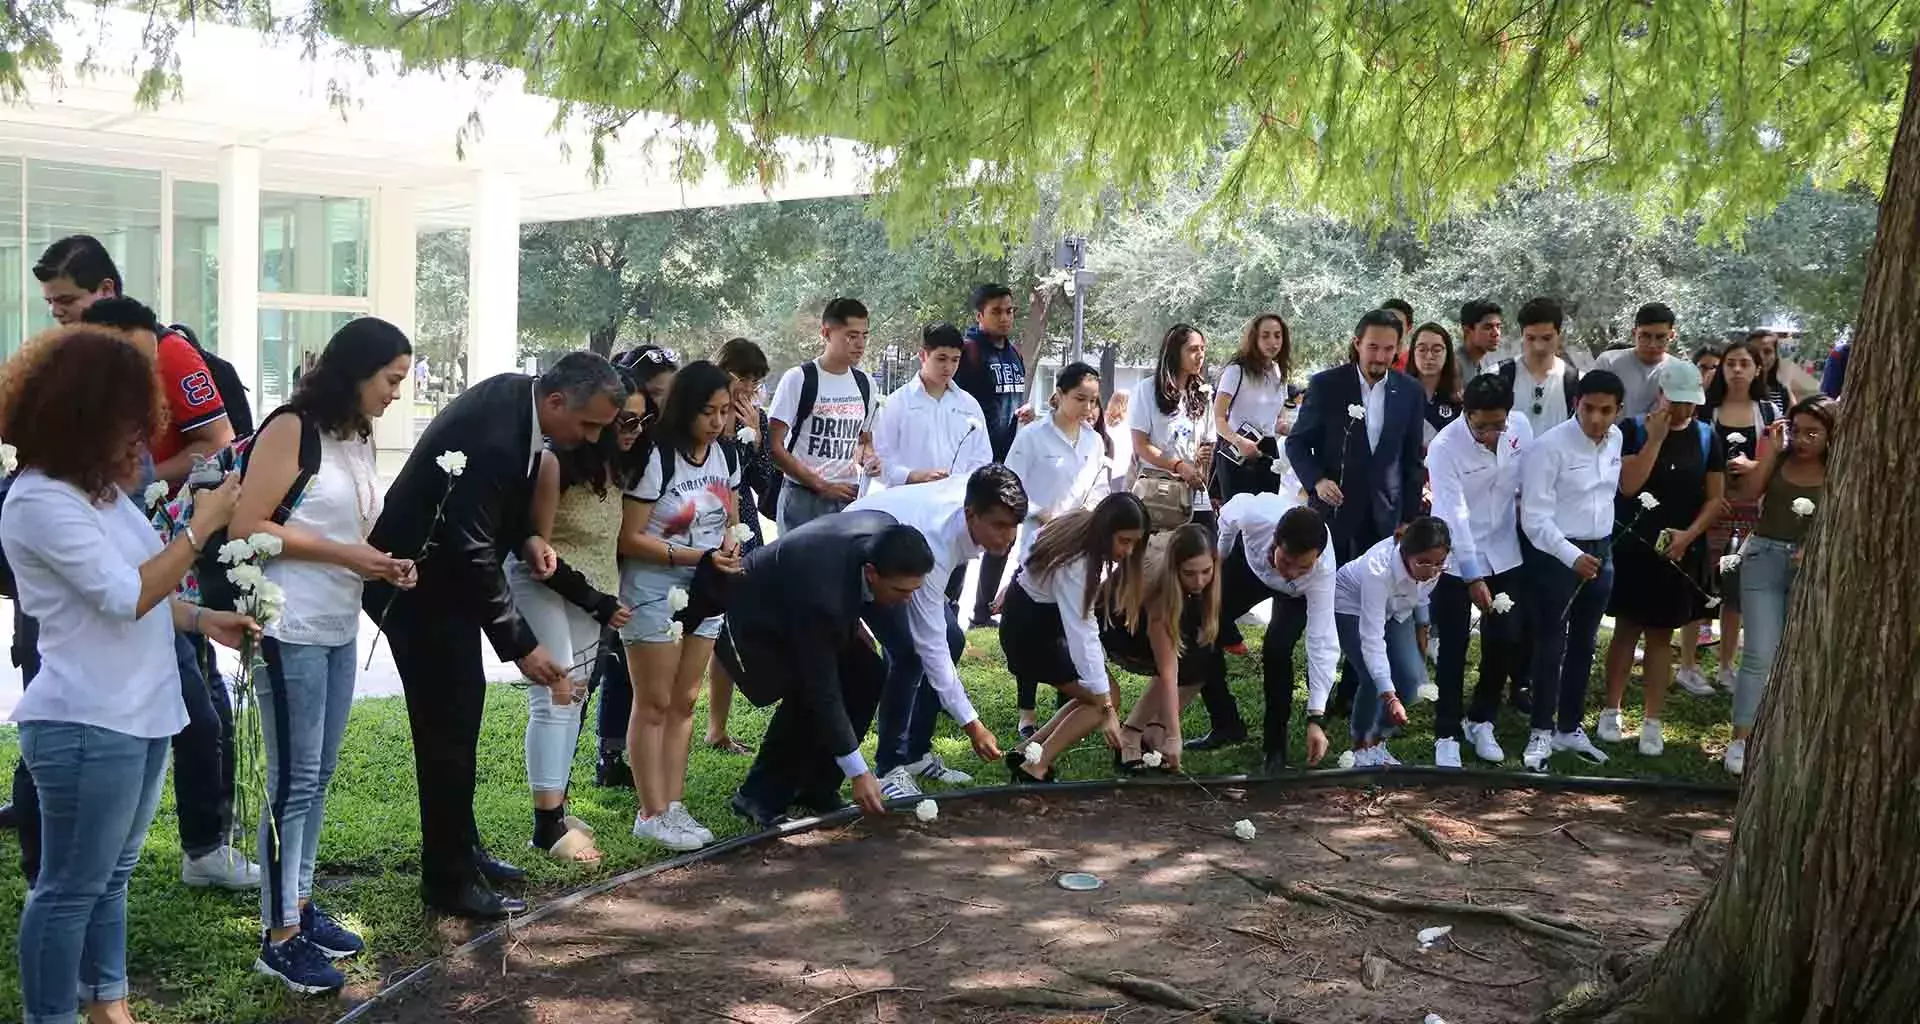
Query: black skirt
column 1034, row 640
column 1655, row 592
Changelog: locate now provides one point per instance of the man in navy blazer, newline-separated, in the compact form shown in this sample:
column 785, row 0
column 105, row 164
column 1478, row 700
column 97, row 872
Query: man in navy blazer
column 1357, row 443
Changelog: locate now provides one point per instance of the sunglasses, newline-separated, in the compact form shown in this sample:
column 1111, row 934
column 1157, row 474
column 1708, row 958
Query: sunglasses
column 1539, row 399
column 628, row 422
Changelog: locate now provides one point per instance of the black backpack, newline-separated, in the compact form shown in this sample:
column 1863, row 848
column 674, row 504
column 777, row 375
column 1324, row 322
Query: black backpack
column 670, row 459
column 810, row 392
column 226, row 381
column 1569, row 383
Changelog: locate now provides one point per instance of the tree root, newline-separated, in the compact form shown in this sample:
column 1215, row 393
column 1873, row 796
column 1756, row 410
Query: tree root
column 1428, row 839
column 1301, row 893
column 1557, row 928
column 1475, row 982
column 1147, row 990
column 1045, row 998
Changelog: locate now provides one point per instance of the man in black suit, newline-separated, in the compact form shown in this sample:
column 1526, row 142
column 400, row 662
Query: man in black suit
column 1357, row 445
column 460, row 524
column 814, row 657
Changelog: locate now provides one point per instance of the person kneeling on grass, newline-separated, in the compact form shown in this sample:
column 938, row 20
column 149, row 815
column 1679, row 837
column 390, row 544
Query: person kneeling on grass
column 1176, row 643
column 1373, row 601
column 1049, row 626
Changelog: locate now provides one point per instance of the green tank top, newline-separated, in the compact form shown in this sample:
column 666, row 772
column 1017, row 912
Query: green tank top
column 586, row 533
column 1778, row 520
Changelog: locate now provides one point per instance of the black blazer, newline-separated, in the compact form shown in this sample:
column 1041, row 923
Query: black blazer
column 1383, row 485
column 793, row 609
column 487, row 514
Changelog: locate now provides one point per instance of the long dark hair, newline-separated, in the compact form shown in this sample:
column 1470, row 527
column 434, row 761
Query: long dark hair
column 1167, row 392
column 1088, row 534
column 1757, row 390
column 1254, row 363
column 328, row 395
column 1447, row 388
column 692, row 387
column 601, row 463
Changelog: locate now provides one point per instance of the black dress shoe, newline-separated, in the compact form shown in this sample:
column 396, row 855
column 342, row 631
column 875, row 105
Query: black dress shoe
column 493, row 869
column 1276, row 764
column 1523, row 701
column 823, row 803
column 612, row 772
column 9, row 818
column 1215, row 740
column 475, row 900
column 759, row 816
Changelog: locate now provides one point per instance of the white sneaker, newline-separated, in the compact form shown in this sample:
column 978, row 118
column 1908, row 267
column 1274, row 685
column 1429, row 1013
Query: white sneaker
column 1485, row 747
column 1608, row 727
column 224, row 868
column 1728, row 676
column 1446, row 753
column 898, row 784
column 1577, row 742
column 1736, row 758
column 678, row 813
column 1652, row 744
column 1366, row 757
column 1539, row 748
column 663, row 829
column 1382, row 757
column 1693, row 682
column 931, row 767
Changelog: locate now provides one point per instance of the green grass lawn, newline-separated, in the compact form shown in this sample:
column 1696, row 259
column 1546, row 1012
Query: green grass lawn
column 190, row 951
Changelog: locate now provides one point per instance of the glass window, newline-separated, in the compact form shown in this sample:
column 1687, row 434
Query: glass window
column 13, row 310
column 290, row 340
column 196, row 259
column 314, row 245
column 119, row 207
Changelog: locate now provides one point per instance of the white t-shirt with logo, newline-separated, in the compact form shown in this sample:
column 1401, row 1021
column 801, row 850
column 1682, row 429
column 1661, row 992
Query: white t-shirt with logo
column 1176, row 434
column 827, row 440
column 694, row 509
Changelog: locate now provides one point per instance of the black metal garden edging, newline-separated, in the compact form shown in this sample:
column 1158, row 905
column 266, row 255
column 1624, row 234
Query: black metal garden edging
column 1421, row 774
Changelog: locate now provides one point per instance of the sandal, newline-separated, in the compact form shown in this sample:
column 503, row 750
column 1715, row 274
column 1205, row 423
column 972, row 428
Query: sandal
column 576, row 825
column 729, row 745
column 576, row 847
column 1123, row 763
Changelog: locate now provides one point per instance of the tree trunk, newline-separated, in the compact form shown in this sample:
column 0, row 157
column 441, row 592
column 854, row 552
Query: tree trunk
column 601, row 339
column 1816, row 916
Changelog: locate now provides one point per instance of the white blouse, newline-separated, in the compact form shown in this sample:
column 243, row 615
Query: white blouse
column 77, row 565
column 1059, row 475
column 340, row 504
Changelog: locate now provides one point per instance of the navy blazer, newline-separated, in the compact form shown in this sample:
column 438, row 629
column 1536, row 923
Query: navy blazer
column 1382, row 485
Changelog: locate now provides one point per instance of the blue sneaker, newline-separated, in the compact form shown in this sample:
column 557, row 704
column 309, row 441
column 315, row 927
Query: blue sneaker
column 298, row 965
column 326, row 935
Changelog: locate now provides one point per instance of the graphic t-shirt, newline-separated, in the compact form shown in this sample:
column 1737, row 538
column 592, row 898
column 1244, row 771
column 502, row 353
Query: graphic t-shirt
column 192, row 399
column 693, row 510
column 1178, row 434
column 829, row 437
column 996, row 377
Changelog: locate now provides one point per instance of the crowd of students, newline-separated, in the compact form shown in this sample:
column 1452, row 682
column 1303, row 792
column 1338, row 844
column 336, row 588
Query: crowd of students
column 602, row 529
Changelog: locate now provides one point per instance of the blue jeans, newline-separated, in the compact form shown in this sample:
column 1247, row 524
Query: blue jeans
column 305, row 695
column 1566, row 619
column 98, row 792
column 1766, row 583
column 1403, row 660
column 909, row 707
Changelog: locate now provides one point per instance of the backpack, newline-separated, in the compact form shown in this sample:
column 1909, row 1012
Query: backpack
column 206, row 584
column 1637, row 429
column 810, row 391
column 1569, row 383
column 226, row 381
column 670, row 459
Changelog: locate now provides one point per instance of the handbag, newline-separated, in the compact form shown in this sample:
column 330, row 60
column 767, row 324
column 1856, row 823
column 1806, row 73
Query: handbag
column 1169, row 500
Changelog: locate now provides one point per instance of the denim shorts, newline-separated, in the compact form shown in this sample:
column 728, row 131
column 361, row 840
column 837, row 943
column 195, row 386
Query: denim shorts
column 644, row 588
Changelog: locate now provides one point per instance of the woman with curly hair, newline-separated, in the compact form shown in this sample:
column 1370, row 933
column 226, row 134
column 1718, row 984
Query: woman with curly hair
column 79, row 406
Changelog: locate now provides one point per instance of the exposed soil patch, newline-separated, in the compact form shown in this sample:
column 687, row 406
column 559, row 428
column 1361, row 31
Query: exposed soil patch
column 963, row 919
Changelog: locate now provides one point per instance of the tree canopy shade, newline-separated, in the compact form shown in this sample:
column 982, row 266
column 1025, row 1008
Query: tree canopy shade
column 1383, row 111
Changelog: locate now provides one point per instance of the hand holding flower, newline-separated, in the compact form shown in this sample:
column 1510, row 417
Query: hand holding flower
column 228, row 629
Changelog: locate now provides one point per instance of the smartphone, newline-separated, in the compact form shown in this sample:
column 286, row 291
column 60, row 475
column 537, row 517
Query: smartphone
column 1231, row 453
column 206, row 475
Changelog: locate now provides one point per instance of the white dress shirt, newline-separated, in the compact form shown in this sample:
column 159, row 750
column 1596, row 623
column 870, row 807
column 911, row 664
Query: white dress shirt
column 1477, row 493
column 1567, row 484
column 915, row 431
column 77, row 566
column 1374, row 588
column 1059, row 475
column 938, row 511
column 1374, row 397
column 1251, row 519
column 1066, row 587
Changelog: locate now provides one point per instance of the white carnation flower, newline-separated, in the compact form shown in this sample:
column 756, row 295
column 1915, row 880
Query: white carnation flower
column 246, row 577
column 676, row 599
column 1244, row 830
column 747, row 435
column 740, row 532
column 1736, row 438
column 235, row 552
column 1729, row 563
column 452, row 463
column 1428, row 692
column 675, row 630
column 156, row 493
column 1648, row 501
column 926, row 810
column 1347, row 759
column 1502, row 604
column 1152, row 759
column 1803, row 507
column 1032, row 752
column 266, row 545
column 1357, row 411
column 1712, row 603
column 9, row 458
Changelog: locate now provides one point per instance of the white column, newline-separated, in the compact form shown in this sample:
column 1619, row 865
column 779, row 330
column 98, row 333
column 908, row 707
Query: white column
column 493, row 277
column 239, row 305
column 395, row 281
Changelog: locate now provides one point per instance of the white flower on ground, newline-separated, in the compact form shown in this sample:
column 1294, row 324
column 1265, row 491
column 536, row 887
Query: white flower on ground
column 1427, row 692
column 1244, row 830
column 1153, row 759
column 1736, row 438
column 1346, row 759
column 156, row 493
column 1729, row 563
column 1648, row 501
column 926, row 810
column 9, row 458
column 452, row 463
column 1429, row 936
column 1803, row 507
column 266, row 545
column 235, row 552
column 676, row 599
column 747, row 435
column 740, row 532
column 1712, row 603
column 1357, row 411
column 246, row 577
column 1502, row 604
column 1032, row 752
column 675, row 631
